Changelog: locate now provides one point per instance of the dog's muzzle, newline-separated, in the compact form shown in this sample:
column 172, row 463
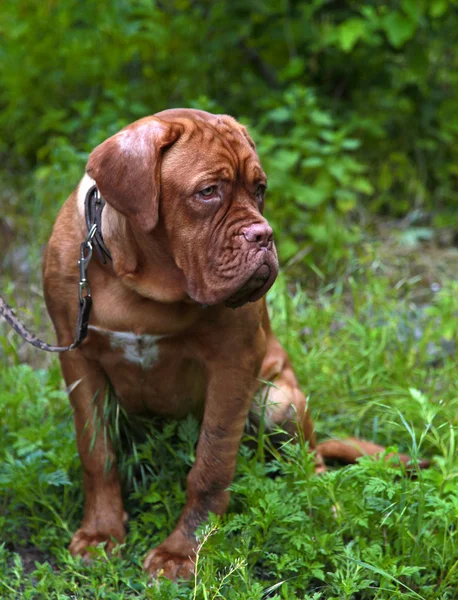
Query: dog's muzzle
column 256, row 286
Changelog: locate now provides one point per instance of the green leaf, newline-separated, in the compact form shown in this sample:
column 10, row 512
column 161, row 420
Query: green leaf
column 318, row 233
column 437, row 8
column 351, row 144
column 398, row 28
column 319, row 117
column 310, row 196
column 280, row 114
column 286, row 159
column 312, row 162
column 346, row 200
column 385, row 179
column 413, row 8
column 294, row 68
column 350, row 31
column 287, row 248
column 363, row 185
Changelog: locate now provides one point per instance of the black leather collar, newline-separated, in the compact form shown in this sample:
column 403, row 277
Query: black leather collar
column 93, row 207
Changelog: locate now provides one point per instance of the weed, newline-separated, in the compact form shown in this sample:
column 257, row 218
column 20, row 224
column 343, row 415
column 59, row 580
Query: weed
column 375, row 362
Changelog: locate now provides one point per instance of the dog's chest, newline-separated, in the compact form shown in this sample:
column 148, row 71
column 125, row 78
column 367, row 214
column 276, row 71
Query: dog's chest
column 140, row 350
column 148, row 372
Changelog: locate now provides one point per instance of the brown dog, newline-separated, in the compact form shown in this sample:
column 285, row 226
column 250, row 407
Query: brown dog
column 184, row 225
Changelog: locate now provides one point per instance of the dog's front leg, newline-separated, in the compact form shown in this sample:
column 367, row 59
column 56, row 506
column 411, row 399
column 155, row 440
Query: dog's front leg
column 104, row 515
column 228, row 400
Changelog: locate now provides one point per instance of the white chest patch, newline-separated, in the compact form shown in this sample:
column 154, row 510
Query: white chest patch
column 142, row 350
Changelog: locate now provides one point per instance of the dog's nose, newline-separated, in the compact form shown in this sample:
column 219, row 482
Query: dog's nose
column 259, row 233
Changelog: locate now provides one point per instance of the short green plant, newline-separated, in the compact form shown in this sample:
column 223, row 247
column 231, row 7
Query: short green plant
column 363, row 353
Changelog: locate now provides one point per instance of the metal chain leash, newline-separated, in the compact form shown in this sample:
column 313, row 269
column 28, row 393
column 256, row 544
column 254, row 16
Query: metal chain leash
column 84, row 304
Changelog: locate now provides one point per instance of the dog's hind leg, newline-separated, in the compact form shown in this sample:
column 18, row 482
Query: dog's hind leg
column 281, row 403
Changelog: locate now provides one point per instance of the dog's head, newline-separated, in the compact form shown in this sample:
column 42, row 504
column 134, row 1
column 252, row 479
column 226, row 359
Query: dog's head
column 198, row 176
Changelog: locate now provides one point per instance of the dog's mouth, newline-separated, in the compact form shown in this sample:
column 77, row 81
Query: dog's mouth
column 253, row 289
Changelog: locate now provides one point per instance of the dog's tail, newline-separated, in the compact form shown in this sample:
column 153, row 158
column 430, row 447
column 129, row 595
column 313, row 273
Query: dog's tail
column 350, row 449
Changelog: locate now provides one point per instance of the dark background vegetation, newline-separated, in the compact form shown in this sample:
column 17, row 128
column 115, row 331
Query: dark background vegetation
column 353, row 106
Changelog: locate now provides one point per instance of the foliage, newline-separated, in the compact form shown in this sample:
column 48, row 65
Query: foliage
column 365, row 531
column 352, row 103
column 312, row 174
column 352, row 107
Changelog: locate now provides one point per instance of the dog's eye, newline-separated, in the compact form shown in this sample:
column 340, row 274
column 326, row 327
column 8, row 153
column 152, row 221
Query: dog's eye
column 208, row 192
column 260, row 191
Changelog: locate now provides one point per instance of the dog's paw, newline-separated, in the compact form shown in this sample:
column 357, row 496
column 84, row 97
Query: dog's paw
column 83, row 542
column 160, row 562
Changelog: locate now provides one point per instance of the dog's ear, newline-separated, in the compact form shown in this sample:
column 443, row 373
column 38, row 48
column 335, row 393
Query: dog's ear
column 127, row 168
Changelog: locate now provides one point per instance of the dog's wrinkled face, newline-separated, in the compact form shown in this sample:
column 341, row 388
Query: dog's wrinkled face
column 198, row 176
column 212, row 190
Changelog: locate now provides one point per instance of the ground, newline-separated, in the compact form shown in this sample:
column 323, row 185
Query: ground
column 375, row 350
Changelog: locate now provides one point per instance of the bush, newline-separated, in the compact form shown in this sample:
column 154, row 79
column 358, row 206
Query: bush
column 352, row 103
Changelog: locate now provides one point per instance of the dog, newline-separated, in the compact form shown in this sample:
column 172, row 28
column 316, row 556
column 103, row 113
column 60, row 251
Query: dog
column 179, row 322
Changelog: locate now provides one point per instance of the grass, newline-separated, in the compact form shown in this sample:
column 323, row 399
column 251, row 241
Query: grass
column 375, row 351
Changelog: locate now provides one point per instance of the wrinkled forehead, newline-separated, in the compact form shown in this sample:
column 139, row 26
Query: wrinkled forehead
column 219, row 152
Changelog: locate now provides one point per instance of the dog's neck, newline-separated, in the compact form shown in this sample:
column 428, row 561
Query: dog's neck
column 140, row 260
